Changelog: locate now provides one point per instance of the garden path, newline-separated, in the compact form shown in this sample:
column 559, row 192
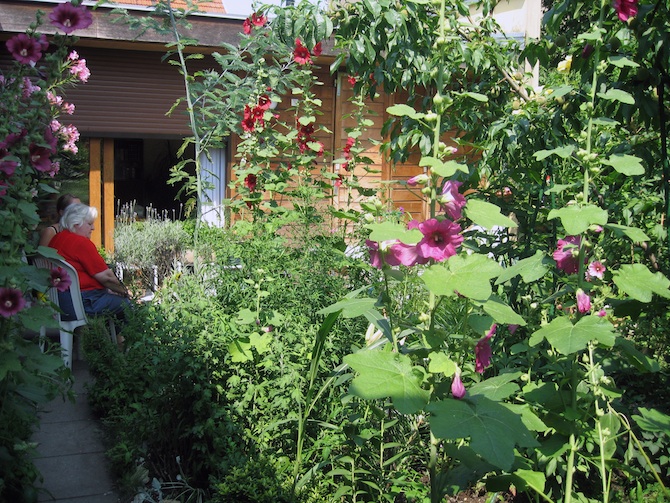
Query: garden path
column 70, row 451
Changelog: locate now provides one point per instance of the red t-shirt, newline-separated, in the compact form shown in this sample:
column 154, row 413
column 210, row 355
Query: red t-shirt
column 82, row 254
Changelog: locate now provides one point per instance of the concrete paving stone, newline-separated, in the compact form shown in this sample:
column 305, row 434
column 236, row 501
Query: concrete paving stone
column 59, row 410
column 101, row 498
column 74, row 476
column 68, row 437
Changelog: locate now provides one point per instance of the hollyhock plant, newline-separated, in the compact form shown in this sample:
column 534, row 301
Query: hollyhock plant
column 317, row 50
column 11, row 301
column 440, row 239
column 452, row 201
column 69, row 17
column 583, row 301
column 60, row 279
column 567, row 254
column 25, row 49
column 420, row 179
column 250, row 182
column 457, row 389
column 625, row 9
column 301, row 53
column 40, row 158
column 483, row 351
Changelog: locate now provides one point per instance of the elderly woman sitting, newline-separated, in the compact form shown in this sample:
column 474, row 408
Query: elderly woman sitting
column 101, row 290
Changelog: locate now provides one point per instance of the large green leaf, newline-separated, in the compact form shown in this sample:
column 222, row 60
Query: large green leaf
column 653, row 420
column 9, row 362
column 404, row 111
column 501, row 312
column 497, row 388
column 441, row 168
column 633, row 233
column 385, row 374
column 562, row 152
column 576, row 219
column 528, row 479
column 487, row 215
column 351, row 308
column 390, row 231
column 625, row 164
column 568, row 338
column 492, row 428
column 531, row 269
column 639, row 283
column 618, row 95
column 469, row 275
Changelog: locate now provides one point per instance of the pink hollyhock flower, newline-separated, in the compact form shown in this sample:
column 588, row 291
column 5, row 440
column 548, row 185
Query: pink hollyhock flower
column 25, row 49
column 69, row 17
column 375, row 255
column 567, row 253
column 420, row 179
column 11, row 301
column 29, row 88
column 440, row 239
column 452, row 201
column 250, row 182
column 483, row 351
column 43, row 41
column 301, row 54
column 264, row 102
column 404, row 254
column 258, row 20
column 338, row 181
column 595, row 270
column 602, row 313
column 457, row 388
column 625, row 8
column 60, row 279
column 246, row 26
column 512, row 328
column 317, row 50
column 583, row 301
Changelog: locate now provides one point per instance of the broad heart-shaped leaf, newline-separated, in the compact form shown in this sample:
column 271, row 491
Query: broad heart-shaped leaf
column 469, row 275
column 653, row 420
column 621, row 61
column 618, row 95
column 528, row 479
column 625, row 164
column 638, row 282
column 441, row 168
column 441, row 364
column 493, row 429
column 576, row 219
column 385, row 374
column 531, row 269
column 240, row 350
column 486, row 214
column 404, row 110
column 389, row 231
column 501, row 312
column 633, row 233
column 568, row 338
column 562, row 152
column 497, row 388
column 351, row 308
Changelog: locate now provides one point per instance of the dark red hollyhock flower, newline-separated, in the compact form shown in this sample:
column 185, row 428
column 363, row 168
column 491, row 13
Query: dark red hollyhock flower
column 7, row 167
column 317, row 50
column 12, row 139
column 246, row 26
column 250, row 182
column 44, row 43
column 625, row 8
column 69, row 18
column 352, row 80
column 40, row 158
column 301, row 54
column 60, row 279
column 248, row 122
column 257, row 113
column 25, row 49
column 264, row 102
column 258, row 19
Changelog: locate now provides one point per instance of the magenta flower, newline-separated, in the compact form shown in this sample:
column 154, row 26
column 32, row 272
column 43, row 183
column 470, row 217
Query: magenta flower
column 595, row 270
column 401, row 253
column 40, row 158
column 452, row 201
column 69, row 18
column 583, row 301
column 483, row 351
column 602, row 313
column 440, row 239
column 60, row 279
column 301, row 53
column 512, row 328
column 25, row 49
column 11, row 301
column 457, row 388
column 567, row 253
column 625, row 8
column 420, row 179
column 80, row 70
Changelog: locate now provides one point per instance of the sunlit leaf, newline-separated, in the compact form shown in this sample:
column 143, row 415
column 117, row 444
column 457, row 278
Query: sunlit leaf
column 440, row 363
column 389, row 231
column 639, row 283
column 625, row 164
column 487, row 214
column 501, row 312
column 497, row 388
column 469, row 275
column 652, row 420
column 531, row 269
column 404, row 111
column 621, row 61
column 562, row 152
column 633, row 233
column 568, row 338
column 528, row 479
column 576, row 218
column 618, row 95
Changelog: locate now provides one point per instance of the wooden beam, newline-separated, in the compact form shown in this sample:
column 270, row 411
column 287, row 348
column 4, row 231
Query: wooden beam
column 108, row 194
column 95, row 185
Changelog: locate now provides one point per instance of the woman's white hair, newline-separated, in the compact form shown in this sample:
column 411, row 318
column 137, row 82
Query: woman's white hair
column 77, row 214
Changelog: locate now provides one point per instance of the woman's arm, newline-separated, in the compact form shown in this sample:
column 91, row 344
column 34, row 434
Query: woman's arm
column 108, row 279
column 46, row 235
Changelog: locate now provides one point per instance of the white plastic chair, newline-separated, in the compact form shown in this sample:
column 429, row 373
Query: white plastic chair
column 67, row 327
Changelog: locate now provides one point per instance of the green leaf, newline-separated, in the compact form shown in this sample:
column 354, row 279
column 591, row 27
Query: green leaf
column 568, row 338
column 497, row 388
column 475, row 96
column 501, row 312
column 576, row 219
column 639, row 283
column 561, row 91
column 404, row 111
column 390, row 231
column 618, row 95
column 469, row 275
column 605, row 121
column 351, row 308
column 240, row 350
column 633, row 233
column 609, row 424
column 558, row 188
column 528, row 417
column 562, row 152
column 531, row 269
column 621, row 61
column 652, row 420
column 443, row 169
column 246, row 316
column 9, row 362
column 440, row 363
column 625, row 164
column 487, row 214
column 528, row 479
column 385, row 374
column 261, row 343
column 492, row 428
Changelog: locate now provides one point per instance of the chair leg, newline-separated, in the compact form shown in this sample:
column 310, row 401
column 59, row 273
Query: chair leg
column 67, row 343
column 112, row 330
column 43, row 338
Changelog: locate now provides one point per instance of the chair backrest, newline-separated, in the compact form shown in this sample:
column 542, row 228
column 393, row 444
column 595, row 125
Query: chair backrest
column 70, row 301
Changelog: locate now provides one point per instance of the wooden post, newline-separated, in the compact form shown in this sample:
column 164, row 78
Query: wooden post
column 108, row 194
column 95, row 185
